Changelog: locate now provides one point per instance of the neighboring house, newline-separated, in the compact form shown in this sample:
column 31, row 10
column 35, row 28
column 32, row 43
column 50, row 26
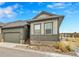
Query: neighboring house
column 43, row 27
column 1, row 24
column 16, row 32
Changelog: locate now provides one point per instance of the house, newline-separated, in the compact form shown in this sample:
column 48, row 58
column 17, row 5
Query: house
column 16, row 32
column 1, row 25
column 44, row 27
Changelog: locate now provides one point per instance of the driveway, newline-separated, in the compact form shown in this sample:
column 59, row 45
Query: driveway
column 7, row 52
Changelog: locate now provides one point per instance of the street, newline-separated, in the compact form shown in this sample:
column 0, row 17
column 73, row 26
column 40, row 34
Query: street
column 7, row 52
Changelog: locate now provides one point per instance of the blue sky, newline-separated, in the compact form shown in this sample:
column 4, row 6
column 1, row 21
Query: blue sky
column 13, row 11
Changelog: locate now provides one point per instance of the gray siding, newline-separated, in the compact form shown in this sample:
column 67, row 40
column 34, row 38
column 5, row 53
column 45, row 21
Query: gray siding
column 44, row 38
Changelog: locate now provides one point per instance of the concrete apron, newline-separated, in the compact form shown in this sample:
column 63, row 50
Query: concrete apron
column 12, row 46
column 8, row 45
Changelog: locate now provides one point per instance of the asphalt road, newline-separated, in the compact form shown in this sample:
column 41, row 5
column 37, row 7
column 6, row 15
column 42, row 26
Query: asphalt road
column 7, row 52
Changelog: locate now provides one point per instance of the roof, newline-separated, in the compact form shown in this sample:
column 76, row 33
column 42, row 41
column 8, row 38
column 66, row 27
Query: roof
column 44, row 12
column 15, row 24
column 1, row 24
column 49, row 17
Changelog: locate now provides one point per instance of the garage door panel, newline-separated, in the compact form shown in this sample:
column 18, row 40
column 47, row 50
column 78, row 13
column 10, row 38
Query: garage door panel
column 12, row 37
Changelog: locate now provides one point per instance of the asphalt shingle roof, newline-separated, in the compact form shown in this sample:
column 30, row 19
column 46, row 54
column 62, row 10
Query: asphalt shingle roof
column 1, row 24
column 15, row 24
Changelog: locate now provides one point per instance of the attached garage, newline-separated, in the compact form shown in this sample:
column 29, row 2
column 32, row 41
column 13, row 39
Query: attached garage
column 16, row 32
column 12, row 37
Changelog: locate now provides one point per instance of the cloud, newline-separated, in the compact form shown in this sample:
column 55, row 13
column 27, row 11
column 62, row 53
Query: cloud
column 16, row 6
column 35, row 11
column 50, row 6
column 71, row 11
column 59, row 5
column 2, row 3
column 56, row 5
column 8, row 12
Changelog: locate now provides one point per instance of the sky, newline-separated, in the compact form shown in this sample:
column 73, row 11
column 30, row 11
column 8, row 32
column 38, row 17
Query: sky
column 13, row 11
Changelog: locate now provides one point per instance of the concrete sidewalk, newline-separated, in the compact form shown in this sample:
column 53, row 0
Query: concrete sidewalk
column 12, row 46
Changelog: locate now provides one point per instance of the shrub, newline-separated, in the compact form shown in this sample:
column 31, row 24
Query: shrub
column 56, row 45
column 70, row 46
column 64, row 46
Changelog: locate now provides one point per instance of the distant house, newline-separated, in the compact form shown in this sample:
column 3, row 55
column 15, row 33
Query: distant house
column 43, row 27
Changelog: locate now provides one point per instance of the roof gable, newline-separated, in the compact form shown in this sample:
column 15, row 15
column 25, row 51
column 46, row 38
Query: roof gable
column 43, row 15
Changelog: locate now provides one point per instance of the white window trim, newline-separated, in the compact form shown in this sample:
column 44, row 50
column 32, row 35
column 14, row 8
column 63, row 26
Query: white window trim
column 40, row 29
column 52, row 28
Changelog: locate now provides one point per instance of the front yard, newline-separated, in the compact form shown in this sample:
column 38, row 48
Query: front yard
column 64, row 47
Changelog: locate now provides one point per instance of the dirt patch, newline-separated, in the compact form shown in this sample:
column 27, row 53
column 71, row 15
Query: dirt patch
column 45, row 48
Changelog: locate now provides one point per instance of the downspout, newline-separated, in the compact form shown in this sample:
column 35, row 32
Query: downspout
column 58, row 30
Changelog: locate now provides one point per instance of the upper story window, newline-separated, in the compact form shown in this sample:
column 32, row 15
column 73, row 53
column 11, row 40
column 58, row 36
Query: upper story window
column 37, row 29
column 48, row 28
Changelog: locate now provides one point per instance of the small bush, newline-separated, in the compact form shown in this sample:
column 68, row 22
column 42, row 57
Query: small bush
column 70, row 46
column 64, row 46
column 56, row 45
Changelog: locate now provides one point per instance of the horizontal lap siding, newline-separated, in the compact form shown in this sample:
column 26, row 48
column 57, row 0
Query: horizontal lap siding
column 44, row 38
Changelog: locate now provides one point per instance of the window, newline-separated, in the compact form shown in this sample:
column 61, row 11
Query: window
column 37, row 29
column 48, row 28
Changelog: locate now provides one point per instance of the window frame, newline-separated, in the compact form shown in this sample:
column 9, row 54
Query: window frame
column 45, row 29
column 40, row 29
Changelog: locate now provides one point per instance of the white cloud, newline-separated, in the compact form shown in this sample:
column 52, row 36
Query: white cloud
column 35, row 11
column 56, row 5
column 59, row 5
column 1, row 3
column 50, row 6
column 8, row 12
column 71, row 11
column 16, row 6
